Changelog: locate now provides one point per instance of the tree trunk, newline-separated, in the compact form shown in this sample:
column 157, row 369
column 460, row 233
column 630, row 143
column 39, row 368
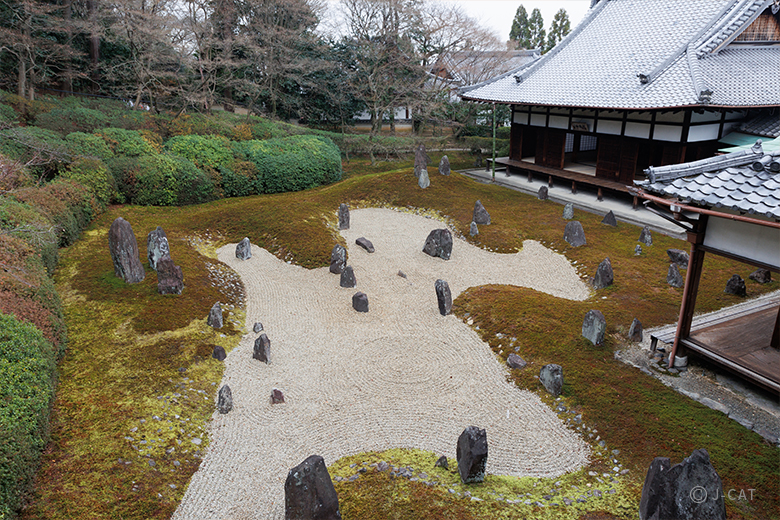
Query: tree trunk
column 21, row 82
column 67, row 81
column 94, row 39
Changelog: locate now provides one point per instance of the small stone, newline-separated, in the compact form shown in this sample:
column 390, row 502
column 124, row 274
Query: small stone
column 646, row 237
column 277, row 397
column 224, row 400
column 156, row 246
column 568, row 211
column 215, row 316
column 543, row 193
column 473, row 229
column 736, row 286
column 604, row 275
column 635, row 331
column 574, row 234
column 515, row 361
column 444, row 297
column 593, row 327
column 219, row 353
column 401, row 274
column 441, row 462
column 262, row 350
column 609, row 219
column 551, row 377
column 481, row 216
column 673, row 276
column 444, row 165
column 679, row 257
column 258, row 327
column 244, row 249
column 348, row 277
column 637, row 250
column 382, row 466
column 343, row 216
column 761, row 276
column 365, row 244
column 360, row 302
column 423, row 181
column 338, row 259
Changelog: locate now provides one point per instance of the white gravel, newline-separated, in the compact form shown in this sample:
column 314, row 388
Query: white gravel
column 400, row 375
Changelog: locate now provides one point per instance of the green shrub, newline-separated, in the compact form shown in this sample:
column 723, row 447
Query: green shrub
column 165, row 180
column 88, row 145
column 204, row 151
column 293, row 163
column 7, row 114
column 485, row 145
column 21, row 220
column 130, row 143
column 27, row 373
column 66, row 120
column 28, row 142
column 93, row 174
column 240, row 180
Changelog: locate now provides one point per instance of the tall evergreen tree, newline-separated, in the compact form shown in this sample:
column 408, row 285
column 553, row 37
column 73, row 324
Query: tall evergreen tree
column 520, row 33
column 560, row 28
column 538, row 35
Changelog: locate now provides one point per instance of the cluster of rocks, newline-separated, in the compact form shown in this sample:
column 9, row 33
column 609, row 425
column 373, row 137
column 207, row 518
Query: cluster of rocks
column 123, row 247
column 421, row 161
column 659, row 358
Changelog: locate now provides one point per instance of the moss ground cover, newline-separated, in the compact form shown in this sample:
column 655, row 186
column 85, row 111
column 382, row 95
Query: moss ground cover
column 128, row 346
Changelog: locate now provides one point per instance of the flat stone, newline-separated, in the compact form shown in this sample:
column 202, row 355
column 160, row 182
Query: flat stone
column 593, row 327
column 473, row 229
column 551, row 377
column 224, row 400
column 481, row 216
column 472, row 453
column 309, row 493
column 365, row 244
column 124, row 252
column 444, row 165
column 635, row 331
column 679, row 257
column 443, row 297
column 423, row 181
column 215, row 316
column 156, row 246
column 609, row 219
column 401, row 274
column 338, row 259
column 646, row 236
column 343, row 216
column 568, row 211
column 604, row 275
column 736, row 286
column 277, row 397
column 262, row 349
column 515, row 361
column 439, row 244
column 673, row 276
column 715, row 405
column 360, row 302
column 761, row 276
column 219, row 353
column 348, row 277
column 574, row 234
column 244, row 249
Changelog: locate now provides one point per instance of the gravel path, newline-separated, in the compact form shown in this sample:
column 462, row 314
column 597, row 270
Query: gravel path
column 400, row 375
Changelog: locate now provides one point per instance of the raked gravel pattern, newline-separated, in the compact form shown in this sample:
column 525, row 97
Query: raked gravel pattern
column 399, row 376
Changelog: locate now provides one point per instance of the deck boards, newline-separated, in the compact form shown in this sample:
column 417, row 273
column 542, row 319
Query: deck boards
column 570, row 176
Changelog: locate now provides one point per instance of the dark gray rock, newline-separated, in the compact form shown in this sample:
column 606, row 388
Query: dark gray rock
column 515, row 361
column 343, row 216
column 444, row 297
column 277, row 397
column 604, row 275
column 690, row 490
column 309, row 493
column 215, row 316
column 679, row 257
column 244, row 249
column 761, row 276
column 543, row 193
column 423, row 181
column 609, row 219
column 421, row 160
column 224, row 399
column 472, row 455
column 401, row 274
column 673, row 276
column 365, row 244
column 156, row 246
column 473, row 229
column 551, row 377
column 338, row 259
column 219, row 353
column 646, row 237
column 574, row 234
column 481, row 216
column 444, row 165
column 568, row 211
column 258, row 327
column 360, row 302
column 262, row 350
column 439, row 243
column 348, row 277
column 637, row 250
column 635, row 331
column 593, row 327
column 124, row 252
column 170, row 279
column 736, row 285
column 441, row 462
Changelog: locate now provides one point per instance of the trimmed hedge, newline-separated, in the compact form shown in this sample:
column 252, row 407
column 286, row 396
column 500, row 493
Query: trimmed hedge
column 27, row 375
column 293, row 163
column 129, row 143
column 205, row 151
column 93, row 174
column 65, row 120
column 168, row 180
column 88, row 145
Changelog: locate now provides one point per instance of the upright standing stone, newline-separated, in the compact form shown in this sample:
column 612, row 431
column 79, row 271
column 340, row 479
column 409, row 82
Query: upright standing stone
column 690, row 490
column 736, row 285
column 568, row 211
column 761, row 276
column 609, row 219
column 338, row 259
column 481, row 216
column 444, row 165
column 673, row 276
column 156, row 246
column 646, row 237
column 679, row 257
column 472, row 453
column 635, row 331
column 543, row 193
column 604, row 275
column 360, row 302
column 124, row 251
column 473, row 229
column 309, row 493
column 551, row 377
column 423, row 181
column 638, row 250
column 439, row 243
column 343, row 216
column 224, row 399
column 593, row 327
column 170, row 279
column 444, row 297
column 421, row 160
column 244, row 249
column 262, row 350
column 215, row 316
column 574, row 234
column 348, row 277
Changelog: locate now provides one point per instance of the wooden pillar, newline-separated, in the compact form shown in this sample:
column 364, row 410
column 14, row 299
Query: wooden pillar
column 600, row 195
column 691, row 289
column 550, row 181
column 775, row 342
column 574, row 187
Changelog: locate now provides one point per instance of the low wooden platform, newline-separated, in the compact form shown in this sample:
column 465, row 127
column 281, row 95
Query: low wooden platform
column 739, row 342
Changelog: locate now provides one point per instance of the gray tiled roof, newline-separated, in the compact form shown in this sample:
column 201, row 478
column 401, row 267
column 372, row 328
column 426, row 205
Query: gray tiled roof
column 681, row 47
column 767, row 125
column 750, row 184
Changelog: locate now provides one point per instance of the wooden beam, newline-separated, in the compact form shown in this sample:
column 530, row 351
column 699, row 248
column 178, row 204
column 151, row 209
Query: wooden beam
column 775, row 342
